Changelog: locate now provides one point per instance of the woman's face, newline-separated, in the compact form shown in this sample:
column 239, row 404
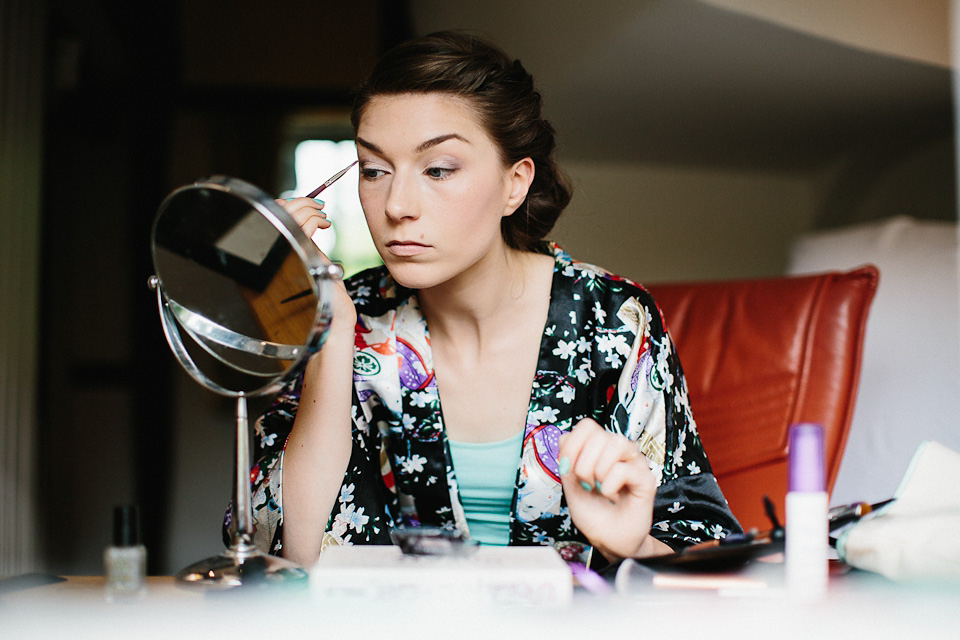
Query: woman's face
column 433, row 186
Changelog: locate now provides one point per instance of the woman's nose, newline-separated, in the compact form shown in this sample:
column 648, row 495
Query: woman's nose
column 401, row 199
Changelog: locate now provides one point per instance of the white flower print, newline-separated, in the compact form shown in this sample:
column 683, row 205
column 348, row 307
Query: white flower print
column 663, row 525
column 682, row 401
column 420, row 398
column 717, row 531
column 339, row 526
column 349, row 517
column 573, row 318
column 362, row 291
column 567, row 394
column 681, row 448
column 346, row 492
column 583, row 345
column 663, row 366
column 675, row 507
column 546, row 415
column 565, row 349
column 357, row 519
column 604, row 343
column 693, row 468
column 408, row 421
column 266, row 439
column 599, row 312
column 613, row 359
column 613, row 346
column 413, row 464
column 590, row 271
column 584, row 372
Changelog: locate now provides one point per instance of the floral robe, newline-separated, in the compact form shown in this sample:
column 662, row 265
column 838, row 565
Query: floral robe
column 604, row 354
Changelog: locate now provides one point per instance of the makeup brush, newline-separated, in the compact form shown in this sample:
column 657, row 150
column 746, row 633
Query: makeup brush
column 843, row 515
column 331, row 180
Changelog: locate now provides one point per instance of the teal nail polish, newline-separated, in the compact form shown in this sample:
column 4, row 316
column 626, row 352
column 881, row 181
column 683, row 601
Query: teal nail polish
column 599, row 487
column 564, row 465
column 319, row 201
column 586, row 486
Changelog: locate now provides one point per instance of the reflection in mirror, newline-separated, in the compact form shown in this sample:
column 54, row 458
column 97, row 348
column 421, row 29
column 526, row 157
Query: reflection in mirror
column 233, row 283
column 243, row 297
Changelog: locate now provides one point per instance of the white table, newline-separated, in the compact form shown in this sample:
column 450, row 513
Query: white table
column 858, row 606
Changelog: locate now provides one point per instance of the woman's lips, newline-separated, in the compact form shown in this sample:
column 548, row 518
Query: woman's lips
column 406, row 249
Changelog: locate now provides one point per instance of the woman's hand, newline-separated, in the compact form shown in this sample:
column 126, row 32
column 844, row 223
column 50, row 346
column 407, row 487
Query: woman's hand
column 610, row 490
column 309, row 215
column 306, row 212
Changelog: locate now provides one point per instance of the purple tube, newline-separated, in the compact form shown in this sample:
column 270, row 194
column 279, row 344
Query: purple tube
column 806, row 459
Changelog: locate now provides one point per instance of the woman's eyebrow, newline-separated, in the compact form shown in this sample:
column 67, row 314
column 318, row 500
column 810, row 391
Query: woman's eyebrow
column 423, row 146
column 432, row 142
column 369, row 145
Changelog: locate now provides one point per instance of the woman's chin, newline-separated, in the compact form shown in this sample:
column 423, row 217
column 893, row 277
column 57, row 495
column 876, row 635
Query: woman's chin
column 412, row 276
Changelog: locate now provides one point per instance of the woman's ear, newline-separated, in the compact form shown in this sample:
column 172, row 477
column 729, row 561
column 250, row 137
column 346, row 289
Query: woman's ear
column 519, row 178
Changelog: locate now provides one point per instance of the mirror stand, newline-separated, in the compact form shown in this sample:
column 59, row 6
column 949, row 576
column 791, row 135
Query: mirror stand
column 242, row 563
column 244, row 300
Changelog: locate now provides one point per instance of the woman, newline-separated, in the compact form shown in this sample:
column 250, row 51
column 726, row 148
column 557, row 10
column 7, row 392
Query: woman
column 564, row 417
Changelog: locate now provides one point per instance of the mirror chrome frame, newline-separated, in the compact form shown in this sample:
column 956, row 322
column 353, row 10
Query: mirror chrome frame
column 322, row 274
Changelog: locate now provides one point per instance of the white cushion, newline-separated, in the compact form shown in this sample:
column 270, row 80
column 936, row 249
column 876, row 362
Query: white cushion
column 910, row 375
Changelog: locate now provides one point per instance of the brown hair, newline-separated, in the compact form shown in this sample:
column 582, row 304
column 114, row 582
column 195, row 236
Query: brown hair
column 508, row 107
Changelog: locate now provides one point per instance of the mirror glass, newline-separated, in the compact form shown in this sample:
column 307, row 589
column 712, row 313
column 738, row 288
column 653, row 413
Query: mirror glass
column 240, row 286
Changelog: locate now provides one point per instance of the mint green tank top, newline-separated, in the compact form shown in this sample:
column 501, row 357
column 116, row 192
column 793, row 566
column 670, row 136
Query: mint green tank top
column 486, row 476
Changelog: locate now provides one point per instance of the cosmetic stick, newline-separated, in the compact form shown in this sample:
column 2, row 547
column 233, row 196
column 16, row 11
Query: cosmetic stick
column 807, row 527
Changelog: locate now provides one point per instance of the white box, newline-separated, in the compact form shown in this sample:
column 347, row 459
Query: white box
column 492, row 575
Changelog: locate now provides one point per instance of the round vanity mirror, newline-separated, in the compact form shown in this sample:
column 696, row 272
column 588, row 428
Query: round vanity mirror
column 243, row 290
column 243, row 297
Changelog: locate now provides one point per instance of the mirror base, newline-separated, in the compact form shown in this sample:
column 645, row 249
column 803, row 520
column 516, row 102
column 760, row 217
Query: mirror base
column 246, row 568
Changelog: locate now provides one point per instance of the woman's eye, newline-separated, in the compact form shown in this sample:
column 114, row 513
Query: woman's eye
column 370, row 173
column 439, row 173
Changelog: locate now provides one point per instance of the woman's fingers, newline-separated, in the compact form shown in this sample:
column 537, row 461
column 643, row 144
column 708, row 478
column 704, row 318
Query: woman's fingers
column 599, row 460
column 586, row 467
column 307, row 213
column 609, row 488
column 630, row 475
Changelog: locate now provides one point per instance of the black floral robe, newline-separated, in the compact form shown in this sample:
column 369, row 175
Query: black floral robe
column 604, row 354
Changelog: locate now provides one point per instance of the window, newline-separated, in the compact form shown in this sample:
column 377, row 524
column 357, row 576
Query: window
column 316, row 158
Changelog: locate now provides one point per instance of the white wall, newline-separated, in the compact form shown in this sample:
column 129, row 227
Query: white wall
column 915, row 30
column 659, row 223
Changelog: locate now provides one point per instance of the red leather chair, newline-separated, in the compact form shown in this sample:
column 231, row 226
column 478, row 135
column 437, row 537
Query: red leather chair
column 760, row 355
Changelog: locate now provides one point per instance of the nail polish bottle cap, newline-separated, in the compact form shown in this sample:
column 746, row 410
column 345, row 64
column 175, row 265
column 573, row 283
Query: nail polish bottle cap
column 806, row 464
column 126, row 527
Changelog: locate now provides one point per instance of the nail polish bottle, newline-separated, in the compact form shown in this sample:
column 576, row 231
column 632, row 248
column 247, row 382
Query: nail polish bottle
column 807, row 527
column 125, row 561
